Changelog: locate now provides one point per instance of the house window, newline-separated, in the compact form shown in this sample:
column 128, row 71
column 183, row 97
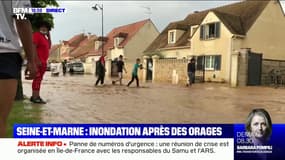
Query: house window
column 209, row 62
column 213, row 62
column 117, row 41
column 97, row 44
column 171, row 36
column 210, row 31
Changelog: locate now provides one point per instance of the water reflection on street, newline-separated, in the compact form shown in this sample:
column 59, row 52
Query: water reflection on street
column 74, row 99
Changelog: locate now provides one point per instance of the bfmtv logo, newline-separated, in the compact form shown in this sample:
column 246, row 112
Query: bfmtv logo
column 21, row 16
column 20, row 13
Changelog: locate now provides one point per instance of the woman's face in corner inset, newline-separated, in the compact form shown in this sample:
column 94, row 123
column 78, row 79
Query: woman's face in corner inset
column 258, row 126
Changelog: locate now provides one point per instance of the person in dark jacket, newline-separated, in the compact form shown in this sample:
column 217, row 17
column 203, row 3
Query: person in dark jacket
column 100, row 68
column 64, row 67
column 191, row 68
column 120, row 67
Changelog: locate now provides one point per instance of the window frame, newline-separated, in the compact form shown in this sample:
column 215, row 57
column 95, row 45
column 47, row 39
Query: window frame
column 206, row 29
column 171, row 40
column 211, row 66
column 215, row 62
column 116, row 41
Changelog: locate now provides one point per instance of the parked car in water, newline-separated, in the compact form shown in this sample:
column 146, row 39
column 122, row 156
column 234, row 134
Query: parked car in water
column 75, row 67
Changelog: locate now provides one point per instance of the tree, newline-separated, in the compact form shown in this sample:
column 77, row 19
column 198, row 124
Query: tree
column 35, row 18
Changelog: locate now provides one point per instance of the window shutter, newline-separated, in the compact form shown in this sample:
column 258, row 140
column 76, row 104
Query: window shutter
column 217, row 27
column 202, row 28
column 218, row 62
column 200, row 62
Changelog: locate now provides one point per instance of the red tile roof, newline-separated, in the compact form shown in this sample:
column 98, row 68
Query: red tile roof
column 126, row 31
column 74, row 43
column 75, row 40
column 64, row 55
column 53, row 49
column 84, row 47
column 121, row 34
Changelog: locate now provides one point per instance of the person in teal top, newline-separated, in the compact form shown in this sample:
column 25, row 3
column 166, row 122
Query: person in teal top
column 135, row 73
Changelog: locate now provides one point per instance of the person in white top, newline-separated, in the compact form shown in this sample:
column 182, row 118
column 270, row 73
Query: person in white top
column 10, row 59
column 56, row 67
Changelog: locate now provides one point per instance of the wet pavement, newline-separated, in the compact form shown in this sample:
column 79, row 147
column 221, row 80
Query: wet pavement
column 74, row 99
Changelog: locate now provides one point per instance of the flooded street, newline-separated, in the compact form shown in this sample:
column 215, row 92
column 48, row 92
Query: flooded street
column 74, row 99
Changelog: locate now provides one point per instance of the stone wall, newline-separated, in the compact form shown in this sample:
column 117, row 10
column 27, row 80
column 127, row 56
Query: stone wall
column 89, row 68
column 170, row 71
column 243, row 67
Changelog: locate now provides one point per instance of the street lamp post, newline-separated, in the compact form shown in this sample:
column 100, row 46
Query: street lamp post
column 96, row 8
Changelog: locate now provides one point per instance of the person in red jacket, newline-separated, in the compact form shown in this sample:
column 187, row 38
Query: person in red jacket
column 42, row 43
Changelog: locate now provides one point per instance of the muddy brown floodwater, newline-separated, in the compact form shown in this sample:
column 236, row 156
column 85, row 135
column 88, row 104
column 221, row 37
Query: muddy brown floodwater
column 74, row 99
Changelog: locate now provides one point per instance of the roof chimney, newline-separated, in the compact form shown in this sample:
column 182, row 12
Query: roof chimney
column 88, row 35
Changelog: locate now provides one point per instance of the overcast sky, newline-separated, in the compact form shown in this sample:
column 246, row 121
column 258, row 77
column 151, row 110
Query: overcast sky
column 80, row 17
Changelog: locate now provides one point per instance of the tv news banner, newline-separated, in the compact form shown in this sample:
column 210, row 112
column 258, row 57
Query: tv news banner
column 20, row 13
column 119, row 142
column 135, row 141
column 139, row 142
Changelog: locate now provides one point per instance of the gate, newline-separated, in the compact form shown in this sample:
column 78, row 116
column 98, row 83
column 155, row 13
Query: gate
column 200, row 68
column 114, row 69
column 149, row 67
column 254, row 69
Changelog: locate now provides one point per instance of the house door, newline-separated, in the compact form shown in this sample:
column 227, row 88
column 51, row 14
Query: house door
column 114, row 69
column 97, row 63
column 200, row 68
column 149, row 67
column 254, row 69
